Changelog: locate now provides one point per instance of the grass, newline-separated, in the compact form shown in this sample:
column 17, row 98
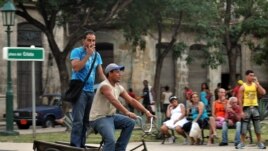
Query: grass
column 65, row 136
column 95, row 138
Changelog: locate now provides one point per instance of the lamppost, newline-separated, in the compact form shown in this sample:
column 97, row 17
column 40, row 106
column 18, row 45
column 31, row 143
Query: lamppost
column 8, row 14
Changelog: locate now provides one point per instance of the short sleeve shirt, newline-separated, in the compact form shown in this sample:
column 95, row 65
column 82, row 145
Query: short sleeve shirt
column 101, row 106
column 79, row 53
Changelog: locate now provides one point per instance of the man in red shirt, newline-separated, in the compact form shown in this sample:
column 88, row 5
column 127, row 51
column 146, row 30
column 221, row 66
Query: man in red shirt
column 236, row 88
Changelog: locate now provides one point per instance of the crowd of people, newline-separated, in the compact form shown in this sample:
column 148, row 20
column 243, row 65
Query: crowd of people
column 234, row 107
column 99, row 109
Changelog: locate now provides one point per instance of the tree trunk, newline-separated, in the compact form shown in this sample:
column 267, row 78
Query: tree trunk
column 156, row 87
column 60, row 58
column 157, row 94
column 159, row 64
column 64, row 80
column 232, row 60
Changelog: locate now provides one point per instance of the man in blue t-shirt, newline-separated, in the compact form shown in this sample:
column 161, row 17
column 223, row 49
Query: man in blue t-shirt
column 81, row 61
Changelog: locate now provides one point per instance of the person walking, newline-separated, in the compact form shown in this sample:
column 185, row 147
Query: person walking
column 81, row 61
column 103, row 116
column 133, row 95
column 248, row 101
column 148, row 102
column 165, row 98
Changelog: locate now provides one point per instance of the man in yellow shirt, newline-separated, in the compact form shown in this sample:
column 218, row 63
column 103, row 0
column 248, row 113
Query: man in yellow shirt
column 248, row 101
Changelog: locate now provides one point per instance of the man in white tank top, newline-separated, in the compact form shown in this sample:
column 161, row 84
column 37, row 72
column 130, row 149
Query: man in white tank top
column 103, row 116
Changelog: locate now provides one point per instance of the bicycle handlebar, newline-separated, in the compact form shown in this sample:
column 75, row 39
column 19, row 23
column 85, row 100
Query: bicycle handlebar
column 142, row 125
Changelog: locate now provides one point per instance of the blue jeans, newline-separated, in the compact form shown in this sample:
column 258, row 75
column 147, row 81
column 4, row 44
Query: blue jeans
column 80, row 113
column 225, row 132
column 106, row 128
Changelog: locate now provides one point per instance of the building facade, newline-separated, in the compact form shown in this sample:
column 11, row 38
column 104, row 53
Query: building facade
column 111, row 44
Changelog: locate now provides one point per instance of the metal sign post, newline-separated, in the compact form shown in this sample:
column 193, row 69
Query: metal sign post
column 26, row 54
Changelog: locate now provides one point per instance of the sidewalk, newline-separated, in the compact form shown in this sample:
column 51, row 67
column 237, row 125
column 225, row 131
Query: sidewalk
column 151, row 146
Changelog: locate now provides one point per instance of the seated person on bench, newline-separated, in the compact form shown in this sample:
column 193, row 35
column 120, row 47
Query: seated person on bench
column 199, row 115
column 217, row 115
column 232, row 118
column 176, row 113
column 103, row 117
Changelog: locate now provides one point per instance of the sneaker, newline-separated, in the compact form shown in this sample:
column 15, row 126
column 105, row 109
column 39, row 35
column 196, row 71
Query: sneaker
column 235, row 144
column 171, row 139
column 261, row 146
column 223, row 144
column 240, row 146
column 186, row 142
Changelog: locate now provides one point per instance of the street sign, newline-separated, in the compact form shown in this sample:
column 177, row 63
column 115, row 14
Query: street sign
column 23, row 54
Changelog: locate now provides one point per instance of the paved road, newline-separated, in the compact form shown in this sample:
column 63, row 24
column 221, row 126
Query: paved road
column 151, row 146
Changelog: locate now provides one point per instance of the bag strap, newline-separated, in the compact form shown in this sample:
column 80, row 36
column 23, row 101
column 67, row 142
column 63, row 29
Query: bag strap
column 95, row 56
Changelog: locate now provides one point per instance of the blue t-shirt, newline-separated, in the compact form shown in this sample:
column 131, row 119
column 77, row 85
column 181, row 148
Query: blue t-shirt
column 195, row 112
column 203, row 98
column 78, row 54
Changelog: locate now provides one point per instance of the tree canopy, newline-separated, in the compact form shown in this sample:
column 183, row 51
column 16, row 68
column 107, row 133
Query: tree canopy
column 81, row 15
column 220, row 24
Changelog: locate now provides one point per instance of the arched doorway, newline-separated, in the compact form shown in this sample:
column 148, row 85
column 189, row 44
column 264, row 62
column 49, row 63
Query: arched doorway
column 168, row 77
column 28, row 35
column 197, row 73
column 106, row 50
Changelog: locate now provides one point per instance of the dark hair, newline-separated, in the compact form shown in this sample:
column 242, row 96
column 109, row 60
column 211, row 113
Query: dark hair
column 248, row 72
column 166, row 88
column 107, row 74
column 145, row 82
column 206, row 85
column 88, row 32
column 130, row 90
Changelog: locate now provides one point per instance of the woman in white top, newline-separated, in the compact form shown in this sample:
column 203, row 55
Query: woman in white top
column 177, row 117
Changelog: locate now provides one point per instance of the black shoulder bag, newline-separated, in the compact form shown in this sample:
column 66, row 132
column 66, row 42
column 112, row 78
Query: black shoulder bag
column 76, row 86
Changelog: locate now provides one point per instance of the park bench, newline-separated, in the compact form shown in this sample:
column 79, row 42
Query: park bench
column 205, row 126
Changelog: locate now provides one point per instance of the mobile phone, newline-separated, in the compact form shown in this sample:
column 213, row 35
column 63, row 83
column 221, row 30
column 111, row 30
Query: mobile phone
column 255, row 79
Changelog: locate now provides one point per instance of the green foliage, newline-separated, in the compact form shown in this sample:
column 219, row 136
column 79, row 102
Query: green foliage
column 150, row 17
column 256, row 26
column 179, row 49
column 64, row 136
column 214, row 59
column 136, row 23
column 260, row 52
column 2, row 3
